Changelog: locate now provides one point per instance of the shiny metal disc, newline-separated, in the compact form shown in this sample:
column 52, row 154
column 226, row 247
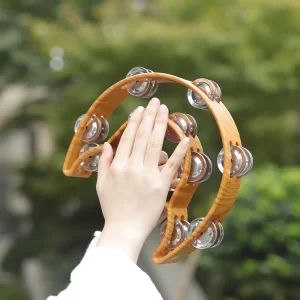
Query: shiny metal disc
column 220, row 235
column 196, row 100
column 207, row 238
column 77, row 123
column 186, row 226
column 152, row 90
column 92, row 130
column 239, row 161
column 249, row 162
column 177, row 235
column 208, row 172
column 193, row 125
column 220, row 160
column 90, row 164
column 217, row 92
column 104, row 129
column 180, row 120
column 141, row 87
column 198, row 167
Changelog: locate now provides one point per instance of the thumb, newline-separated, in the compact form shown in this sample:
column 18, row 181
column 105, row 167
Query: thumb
column 104, row 162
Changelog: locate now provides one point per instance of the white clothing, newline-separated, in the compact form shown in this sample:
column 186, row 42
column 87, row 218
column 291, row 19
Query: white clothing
column 107, row 274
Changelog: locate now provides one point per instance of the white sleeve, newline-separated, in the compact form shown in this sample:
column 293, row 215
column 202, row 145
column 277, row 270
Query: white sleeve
column 107, row 274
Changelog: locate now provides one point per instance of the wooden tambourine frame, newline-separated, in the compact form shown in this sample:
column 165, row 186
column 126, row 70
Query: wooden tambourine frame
column 177, row 206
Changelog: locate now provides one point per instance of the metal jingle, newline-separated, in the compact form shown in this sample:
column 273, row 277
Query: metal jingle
column 220, row 235
column 193, row 125
column 93, row 128
column 180, row 120
column 196, row 100
column 104, row 129
column 217, row 92
column 220, row 160
column 211, row 90
column 186, row 226
column 238, row 160
column 141, row 88
column 208, row 238
column 198, row 168
column 249, row 162
column 77, row 123
column 152, row 90
column 90, row 164
column 177, row 236
column 208, row 168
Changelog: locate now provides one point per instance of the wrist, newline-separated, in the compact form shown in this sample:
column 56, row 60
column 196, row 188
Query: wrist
column 125, row 239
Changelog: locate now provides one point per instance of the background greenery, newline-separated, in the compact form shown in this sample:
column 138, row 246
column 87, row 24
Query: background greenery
column 251, row 48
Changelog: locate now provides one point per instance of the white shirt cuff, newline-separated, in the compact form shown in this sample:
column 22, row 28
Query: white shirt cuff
column 108, row 274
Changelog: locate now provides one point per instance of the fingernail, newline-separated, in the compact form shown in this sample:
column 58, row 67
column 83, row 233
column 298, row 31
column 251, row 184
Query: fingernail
column 162, row 111
column 140, row 109
column 154, row 102
column 185, row 142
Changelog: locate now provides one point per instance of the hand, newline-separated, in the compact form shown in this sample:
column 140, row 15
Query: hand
column 131, row 188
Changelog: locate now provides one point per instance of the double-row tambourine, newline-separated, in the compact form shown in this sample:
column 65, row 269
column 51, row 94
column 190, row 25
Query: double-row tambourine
column 178, row 237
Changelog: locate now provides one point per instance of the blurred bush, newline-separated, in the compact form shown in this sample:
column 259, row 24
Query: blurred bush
column 13, row 292
column 259, row 257
column 77, row 49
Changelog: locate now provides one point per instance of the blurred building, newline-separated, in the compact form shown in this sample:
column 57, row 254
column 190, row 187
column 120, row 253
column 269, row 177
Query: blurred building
column 16, row 147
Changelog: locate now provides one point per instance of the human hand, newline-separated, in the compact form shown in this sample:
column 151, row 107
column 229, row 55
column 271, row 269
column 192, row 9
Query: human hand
column 132, row 189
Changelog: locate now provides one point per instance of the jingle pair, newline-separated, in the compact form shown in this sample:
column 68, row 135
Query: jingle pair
column 96, row 131
column 241, row 161
column 146, row 88
column 201, row 165
column 200, row 171
column 211, row 238
column 185, row 122
column 210, row 88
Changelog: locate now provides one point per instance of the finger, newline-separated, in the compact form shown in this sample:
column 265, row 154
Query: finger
column 126, row 142
column 174, row 181
column 161, row 166
column 176, row 173
column 104, row 162
column 175, row 160
column 144, row 131
column 163, row 158
column 157, row 137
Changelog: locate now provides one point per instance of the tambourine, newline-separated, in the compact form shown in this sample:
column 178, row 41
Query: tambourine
column 178, row 237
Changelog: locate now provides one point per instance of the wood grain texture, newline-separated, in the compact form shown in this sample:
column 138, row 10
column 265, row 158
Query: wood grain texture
column 178, row 204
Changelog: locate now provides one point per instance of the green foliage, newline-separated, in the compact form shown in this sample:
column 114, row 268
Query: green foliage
column 251, row 48
column 12, row 292
column 259, row 257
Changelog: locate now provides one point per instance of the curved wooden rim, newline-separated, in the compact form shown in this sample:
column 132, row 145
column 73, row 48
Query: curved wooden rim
column 104, row 106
